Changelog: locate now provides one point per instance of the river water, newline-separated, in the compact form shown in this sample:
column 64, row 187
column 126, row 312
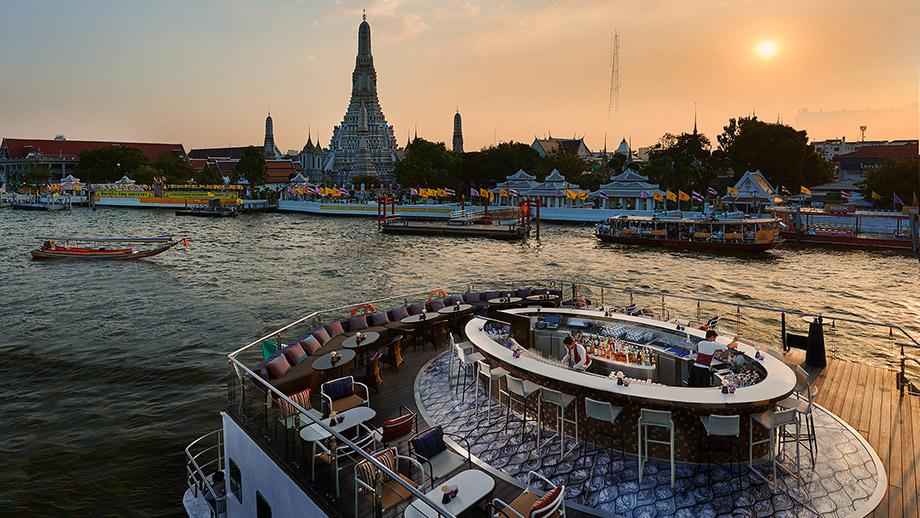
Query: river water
column 108, row 370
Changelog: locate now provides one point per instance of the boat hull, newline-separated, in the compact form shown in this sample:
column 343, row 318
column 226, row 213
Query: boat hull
column 848, row 242
column 100, row 255
column 691, row 245
column 208, row 213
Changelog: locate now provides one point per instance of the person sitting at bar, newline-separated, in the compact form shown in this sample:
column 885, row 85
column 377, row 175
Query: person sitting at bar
column 700, row 375
column 576, row 356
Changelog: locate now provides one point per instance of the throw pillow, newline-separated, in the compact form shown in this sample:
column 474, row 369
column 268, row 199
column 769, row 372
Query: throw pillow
column 310, row 345
column 294, row 354
column 278, row 367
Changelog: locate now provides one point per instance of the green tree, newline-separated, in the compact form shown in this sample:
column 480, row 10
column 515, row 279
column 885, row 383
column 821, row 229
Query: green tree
column 569, row 164
column 144, row 174
column 175, row 169
column 109, row 164
column 681, row 162
column 252, row 167
column 896, row 176
column 428, row 164
column 491, row 165
column 38, row 177
column 780, row 152
column 208, row 176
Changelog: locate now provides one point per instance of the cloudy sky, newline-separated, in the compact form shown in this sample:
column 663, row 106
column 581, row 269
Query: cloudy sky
column 205, row 73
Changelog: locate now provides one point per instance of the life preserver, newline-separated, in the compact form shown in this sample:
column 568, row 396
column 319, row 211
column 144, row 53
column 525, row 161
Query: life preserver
column 438, row 292
column 364, row 308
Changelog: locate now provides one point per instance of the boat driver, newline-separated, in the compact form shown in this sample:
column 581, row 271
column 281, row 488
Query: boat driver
column 700, row 375
column 576, row 356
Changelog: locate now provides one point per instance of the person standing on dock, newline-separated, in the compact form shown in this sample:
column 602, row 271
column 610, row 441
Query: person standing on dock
column 700, row 375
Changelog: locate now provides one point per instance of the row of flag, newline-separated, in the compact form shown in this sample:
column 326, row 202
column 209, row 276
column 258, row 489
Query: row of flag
column 426, row 192
column 319, row 191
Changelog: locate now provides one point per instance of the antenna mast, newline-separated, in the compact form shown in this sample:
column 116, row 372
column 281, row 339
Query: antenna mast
column 613, row 106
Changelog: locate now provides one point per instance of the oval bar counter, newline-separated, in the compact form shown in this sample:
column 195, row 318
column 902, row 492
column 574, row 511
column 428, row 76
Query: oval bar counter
column 653, row 355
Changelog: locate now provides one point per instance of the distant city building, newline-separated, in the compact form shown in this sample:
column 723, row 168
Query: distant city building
column 363, row 144
column 832, row 148
column 458, row 134
column 856, row 164
column 550, row 146
column 62, row 155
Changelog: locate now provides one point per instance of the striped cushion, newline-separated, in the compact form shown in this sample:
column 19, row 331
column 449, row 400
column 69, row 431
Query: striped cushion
column 429, row 443
column 278, row 367
column 369, row 473
column 294, row 354
column 546, row 505
column 301, row 398
column 398, row 427
column 379, row 318
column 321, row 335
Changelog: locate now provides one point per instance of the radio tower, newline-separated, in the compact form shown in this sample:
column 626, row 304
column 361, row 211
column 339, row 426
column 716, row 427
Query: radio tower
column 613, row 106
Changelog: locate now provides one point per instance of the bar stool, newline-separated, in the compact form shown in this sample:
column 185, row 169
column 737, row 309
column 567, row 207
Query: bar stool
column 773, row 421
column 519, row 391
column 600, row 412
column 659, row 419
column 467, row 361
column 452, row 353
column 494, row 376
column 719, row 426
column 562, row 402
column 803, row 404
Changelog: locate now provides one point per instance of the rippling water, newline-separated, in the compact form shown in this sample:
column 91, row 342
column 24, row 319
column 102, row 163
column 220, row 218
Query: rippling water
column 108, row 370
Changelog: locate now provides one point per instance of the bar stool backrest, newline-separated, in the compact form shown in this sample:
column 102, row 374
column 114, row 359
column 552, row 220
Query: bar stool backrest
column 460, row 353
column 551, row 396
column 783, row 417
column 727, row 425
column 484, row 369
column 656, row 417
column 600, row 410
column 515, row 385
column 801, row 379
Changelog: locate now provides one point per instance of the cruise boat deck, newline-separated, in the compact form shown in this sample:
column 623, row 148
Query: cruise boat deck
column 866, row 426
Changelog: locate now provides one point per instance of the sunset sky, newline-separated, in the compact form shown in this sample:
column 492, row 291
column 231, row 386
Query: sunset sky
column 205, row 73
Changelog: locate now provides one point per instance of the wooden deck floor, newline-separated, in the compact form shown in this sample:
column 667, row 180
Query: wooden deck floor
column 867, row 398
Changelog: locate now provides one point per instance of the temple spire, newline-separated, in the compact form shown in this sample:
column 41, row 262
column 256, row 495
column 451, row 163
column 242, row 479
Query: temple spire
column 694, row 118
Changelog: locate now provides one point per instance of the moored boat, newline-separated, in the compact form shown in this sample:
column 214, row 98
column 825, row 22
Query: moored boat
column 739, row 234
column 70, row 248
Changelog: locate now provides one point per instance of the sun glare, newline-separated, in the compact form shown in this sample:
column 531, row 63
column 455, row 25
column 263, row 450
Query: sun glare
column 767, row 49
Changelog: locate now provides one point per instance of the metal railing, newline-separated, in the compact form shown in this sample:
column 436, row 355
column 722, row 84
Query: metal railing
column 206, row 456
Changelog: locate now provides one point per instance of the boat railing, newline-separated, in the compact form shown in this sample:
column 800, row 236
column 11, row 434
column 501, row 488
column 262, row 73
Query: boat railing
column 205, row 457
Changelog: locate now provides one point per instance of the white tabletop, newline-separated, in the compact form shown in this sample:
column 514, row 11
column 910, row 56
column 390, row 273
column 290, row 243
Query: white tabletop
column 778, row 383
column 474, row 485
column 451, row 309
column 353, row 417
column 415, row 319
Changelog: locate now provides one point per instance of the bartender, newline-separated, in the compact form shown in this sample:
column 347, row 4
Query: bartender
column 700, row 375
column 576, row 355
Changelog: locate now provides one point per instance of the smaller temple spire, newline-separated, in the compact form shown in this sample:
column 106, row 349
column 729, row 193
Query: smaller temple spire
column 364, row 15
column 694, row 118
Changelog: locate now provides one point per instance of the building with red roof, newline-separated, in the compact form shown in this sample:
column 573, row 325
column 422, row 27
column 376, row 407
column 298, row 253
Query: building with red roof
column 855, row 165
column 62, row 155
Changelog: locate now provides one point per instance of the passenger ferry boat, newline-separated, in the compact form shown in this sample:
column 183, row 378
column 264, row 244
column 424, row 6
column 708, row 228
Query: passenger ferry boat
column 487, row 415
column 743, row 234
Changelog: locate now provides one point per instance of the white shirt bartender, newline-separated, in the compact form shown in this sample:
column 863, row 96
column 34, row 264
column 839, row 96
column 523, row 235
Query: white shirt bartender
column 576, row 354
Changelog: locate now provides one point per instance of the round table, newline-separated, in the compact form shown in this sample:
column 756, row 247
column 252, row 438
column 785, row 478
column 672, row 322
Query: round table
column 473, row 486
column 417, row 319
column 505, row 300
column 324, row 362
column 452, row 310
column 543, row 298
column 352, row 341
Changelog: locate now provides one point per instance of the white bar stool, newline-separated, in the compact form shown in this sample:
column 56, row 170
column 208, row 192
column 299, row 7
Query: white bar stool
column 659, row 419
column 519, row 391
column 452, row 353
column 483, row 370
column 467, row 361
column 720, row 426
column 803, row 403
column 774, row 422
column 562, row 402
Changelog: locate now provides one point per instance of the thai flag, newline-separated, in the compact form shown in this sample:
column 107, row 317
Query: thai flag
column 845, row 195
column 413, row 191
column 603, row 195
column 712, row 191
column 642, row 194
column 343, row 191
column 783, row 190
column 474, row 193
column 896, row 199
column 513, row 192
column 450, row 192
column 696, row 196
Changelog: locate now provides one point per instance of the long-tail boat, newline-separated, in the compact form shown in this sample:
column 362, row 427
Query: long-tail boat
column 82, row 247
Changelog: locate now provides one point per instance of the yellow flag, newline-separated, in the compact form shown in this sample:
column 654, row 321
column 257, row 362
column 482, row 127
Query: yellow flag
column 491, row 195
column 876, row 196
column 569, row 194
column 682, row 196
column 483, row 193
column 583, row 195
column 442, row 192
column 671, row 196
column 804, row 190
column 502, row 192
column 657, row 196
column 732, row 191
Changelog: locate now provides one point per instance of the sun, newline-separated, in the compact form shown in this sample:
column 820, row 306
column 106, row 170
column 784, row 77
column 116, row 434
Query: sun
column 767, row 49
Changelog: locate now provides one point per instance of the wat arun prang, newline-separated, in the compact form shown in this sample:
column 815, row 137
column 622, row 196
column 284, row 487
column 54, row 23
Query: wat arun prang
column 363, row 144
